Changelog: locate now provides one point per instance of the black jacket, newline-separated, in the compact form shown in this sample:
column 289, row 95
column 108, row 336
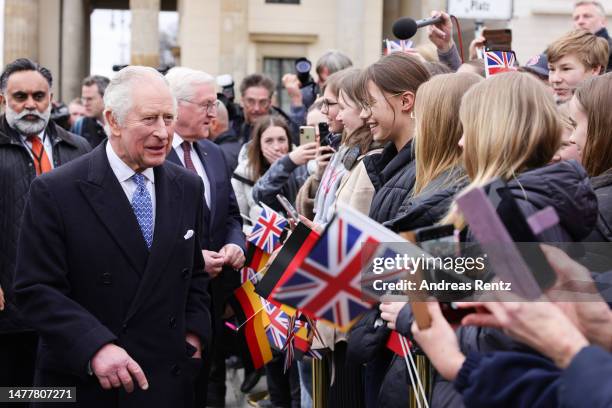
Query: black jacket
column 598, row 257
column 431, row 205
column 16, row 173
column 387, row 375
column 90, row 129
column 566, row 187
column 93, row 281
column 397, row 176
column 230, row 145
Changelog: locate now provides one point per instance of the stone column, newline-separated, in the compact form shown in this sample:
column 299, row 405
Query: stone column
column 144, row 43
column 200, row 34
column 75, row 50
column 20, row 29
column 350, row 15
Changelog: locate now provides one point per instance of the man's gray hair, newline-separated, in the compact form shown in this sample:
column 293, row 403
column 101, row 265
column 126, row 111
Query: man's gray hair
column 118, row 94
column 595, row 3
column 184, row 81
column 334, row 61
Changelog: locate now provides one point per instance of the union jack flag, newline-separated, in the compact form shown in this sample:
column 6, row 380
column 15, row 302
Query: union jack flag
column 392, row 46
column 266, row 233
column 327, row 283
column 280, row 324
column 499, row 61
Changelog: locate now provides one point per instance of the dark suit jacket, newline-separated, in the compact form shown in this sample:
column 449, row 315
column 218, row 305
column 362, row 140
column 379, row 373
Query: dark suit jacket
column 85, row 278
column 225, row 221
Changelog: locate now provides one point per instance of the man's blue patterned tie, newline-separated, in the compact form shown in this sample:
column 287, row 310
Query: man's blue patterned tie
column 143, row 208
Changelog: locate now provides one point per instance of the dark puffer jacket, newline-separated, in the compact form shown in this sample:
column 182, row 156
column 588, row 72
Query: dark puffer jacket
column 432, row 204
column 566, row 187
column 598, row 244
column 283, row 177
column 387, row 377
column 397, row 175
column 16, row 173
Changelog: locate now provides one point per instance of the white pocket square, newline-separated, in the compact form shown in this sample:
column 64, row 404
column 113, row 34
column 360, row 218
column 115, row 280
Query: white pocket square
column 188, row 234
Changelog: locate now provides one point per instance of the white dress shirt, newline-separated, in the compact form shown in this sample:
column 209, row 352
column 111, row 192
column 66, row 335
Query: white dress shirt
column 124, row 175
column 178, row 148
column 47, row 144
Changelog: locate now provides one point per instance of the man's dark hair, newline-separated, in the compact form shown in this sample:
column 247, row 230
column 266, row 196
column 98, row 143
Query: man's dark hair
column 99, row 80
column 23, row 64
column 255, row 80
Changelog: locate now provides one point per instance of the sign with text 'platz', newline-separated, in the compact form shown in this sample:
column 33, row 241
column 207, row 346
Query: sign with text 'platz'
column 481, row 9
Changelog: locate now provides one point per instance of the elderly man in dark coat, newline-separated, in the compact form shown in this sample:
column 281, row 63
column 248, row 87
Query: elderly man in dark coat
column 116, row 285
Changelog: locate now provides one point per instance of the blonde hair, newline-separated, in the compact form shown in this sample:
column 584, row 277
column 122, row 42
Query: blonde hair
column 591, row 51
column 510, row 125
column 595, row 96
column 438, row 129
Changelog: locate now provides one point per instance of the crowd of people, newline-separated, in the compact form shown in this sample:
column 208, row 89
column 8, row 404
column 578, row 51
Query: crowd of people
column 125, row 223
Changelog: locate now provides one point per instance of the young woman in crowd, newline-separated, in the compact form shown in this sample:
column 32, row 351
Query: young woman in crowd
column 304, row 201
column 511, row 131
column 439, row 175
column 592, row 136
column 272, row 165
column 357, row 186
column 389, row 88
column 391, row 85
column 322, row 185
column 438, row 156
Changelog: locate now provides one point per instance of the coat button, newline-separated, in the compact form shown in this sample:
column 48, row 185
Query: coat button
column 176, row 370
column 172, row 322
column 124, row 328
column 185, row 273
column 106, row 278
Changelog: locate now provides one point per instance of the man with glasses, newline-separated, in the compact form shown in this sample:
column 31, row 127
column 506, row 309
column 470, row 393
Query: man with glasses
column 91, row 127
column 223, row 239
column 256, row 92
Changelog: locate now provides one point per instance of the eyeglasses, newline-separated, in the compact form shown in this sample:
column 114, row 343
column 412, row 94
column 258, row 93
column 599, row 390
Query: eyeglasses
column 326, row 104
column 261, row 103
column 208, row 107
column 367, row 105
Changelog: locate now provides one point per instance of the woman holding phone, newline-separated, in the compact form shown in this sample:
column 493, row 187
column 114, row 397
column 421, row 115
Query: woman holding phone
column 272, row 167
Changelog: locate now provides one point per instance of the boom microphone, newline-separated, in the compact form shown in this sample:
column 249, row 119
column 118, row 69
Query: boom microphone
column 405, row 27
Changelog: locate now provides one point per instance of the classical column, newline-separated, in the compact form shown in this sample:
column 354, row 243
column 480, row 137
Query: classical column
column 145, row 32
column 75, row 50
column 20, row 29
column 350, row 29
column 200, row 33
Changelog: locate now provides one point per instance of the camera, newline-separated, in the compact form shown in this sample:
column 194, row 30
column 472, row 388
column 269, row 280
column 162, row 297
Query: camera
column 302, row 69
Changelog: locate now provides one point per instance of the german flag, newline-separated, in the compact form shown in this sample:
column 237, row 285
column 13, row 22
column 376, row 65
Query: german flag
column 296, row 248
column 256, row 259
column 248, row 306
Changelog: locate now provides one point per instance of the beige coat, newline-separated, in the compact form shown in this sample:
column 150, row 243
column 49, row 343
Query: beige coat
column 356, row 189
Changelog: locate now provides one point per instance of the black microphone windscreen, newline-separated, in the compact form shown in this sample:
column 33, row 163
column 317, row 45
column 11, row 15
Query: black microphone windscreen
column 404, row 28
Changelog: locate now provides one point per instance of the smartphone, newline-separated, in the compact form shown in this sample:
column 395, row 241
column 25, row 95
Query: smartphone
column 323, row 134
column 289, row 209
column 307, row 134
column 498, row 40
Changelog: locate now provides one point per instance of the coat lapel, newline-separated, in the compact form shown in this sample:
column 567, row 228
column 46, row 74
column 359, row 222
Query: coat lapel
column 108, row 200
column 210, row 174
column 168, row 205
